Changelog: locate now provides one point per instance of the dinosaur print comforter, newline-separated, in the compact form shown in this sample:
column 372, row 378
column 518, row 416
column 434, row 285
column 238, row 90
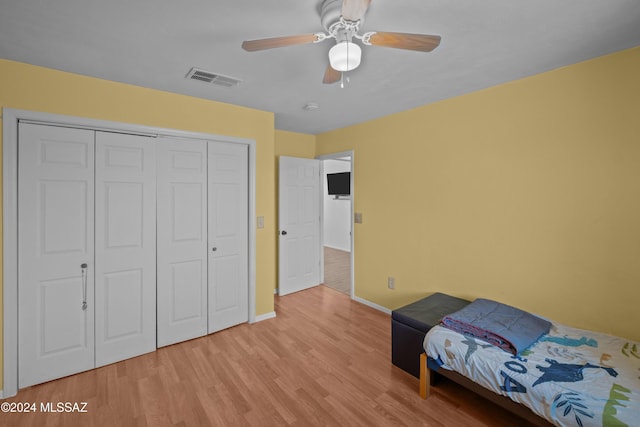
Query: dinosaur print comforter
column 571, row 377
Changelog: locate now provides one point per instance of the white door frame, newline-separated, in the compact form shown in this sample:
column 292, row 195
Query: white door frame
column 334, row 156
column 10, row 119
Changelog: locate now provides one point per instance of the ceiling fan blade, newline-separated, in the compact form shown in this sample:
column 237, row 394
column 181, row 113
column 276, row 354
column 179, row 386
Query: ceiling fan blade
column 331, row 75
column 262, row 44
column 419, row 42
column 354, row 10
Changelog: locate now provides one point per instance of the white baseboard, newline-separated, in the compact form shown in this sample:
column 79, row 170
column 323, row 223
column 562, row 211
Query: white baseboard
column 265, row 316
column 372, row 305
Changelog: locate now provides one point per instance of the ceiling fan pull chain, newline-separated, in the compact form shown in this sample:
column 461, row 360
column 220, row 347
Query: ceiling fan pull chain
column 343, row 80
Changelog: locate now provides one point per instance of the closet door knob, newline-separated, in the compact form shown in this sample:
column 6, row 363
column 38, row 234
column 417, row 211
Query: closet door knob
column 214, row 249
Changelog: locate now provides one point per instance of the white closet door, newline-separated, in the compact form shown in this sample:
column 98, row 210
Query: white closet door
column 228, row 234
column 182, row 240
column 125, row 247
column 55, row 229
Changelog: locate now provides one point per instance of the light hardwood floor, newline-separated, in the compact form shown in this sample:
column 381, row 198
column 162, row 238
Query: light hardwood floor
column 324, row 360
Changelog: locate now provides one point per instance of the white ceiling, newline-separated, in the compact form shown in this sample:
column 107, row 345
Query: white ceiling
column 154, row 43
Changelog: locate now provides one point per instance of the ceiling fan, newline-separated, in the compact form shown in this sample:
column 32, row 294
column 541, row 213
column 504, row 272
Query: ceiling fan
column 342, row 20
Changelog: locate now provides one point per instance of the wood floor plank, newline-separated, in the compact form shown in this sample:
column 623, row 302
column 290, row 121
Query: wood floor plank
column 323, row 360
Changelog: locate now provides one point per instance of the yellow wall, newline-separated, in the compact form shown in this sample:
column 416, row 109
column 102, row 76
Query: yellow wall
column 527, row 193
column 294, row 144
column 33, row 88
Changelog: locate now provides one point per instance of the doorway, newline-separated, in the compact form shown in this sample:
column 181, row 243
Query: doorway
column 337, row 223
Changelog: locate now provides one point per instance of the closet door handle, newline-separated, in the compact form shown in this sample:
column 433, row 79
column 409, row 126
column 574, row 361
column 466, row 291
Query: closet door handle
column 214, row 249
column 284, row 232
column 83, row 268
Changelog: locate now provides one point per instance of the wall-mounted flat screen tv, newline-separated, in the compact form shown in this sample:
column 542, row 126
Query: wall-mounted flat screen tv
column 339, row 184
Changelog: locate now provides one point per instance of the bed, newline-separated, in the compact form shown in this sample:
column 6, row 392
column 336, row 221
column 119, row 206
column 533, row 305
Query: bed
column 568, row 376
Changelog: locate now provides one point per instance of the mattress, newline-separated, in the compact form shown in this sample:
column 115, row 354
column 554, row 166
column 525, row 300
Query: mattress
column 570, row 376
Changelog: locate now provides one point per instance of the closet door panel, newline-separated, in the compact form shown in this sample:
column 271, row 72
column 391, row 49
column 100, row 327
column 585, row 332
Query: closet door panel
column 55, row 229
column 182, row 240
column 125, row 247
column 228, row 234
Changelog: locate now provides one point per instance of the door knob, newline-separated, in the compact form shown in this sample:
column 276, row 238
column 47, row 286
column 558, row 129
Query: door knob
column 214, row 249
column 284, row 233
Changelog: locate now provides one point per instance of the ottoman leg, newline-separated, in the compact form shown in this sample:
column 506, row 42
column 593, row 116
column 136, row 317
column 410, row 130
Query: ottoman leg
column 425, row 377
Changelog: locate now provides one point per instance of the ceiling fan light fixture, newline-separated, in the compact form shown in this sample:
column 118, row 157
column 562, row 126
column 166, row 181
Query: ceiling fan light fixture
column 345, row 56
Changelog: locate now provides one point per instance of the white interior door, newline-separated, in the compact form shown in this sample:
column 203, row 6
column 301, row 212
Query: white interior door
column 125, row 248
column 299, row 224
column 182, row 240
column 228, row 235
column 55, row 229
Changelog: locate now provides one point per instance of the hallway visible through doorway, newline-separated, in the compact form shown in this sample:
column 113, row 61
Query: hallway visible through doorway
column 337, row 269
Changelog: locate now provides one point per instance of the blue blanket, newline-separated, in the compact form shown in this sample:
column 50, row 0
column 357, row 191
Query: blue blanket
column 571, row 377
column 506, row 327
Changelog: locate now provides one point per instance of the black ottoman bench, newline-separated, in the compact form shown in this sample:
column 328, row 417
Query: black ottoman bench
column 411, row 323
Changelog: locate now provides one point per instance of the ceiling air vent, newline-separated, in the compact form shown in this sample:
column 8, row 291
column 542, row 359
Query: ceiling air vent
column 213, row 78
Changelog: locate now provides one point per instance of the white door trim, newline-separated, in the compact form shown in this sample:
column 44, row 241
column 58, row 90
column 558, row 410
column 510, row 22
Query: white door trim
column 333, row 156
column 10, row 119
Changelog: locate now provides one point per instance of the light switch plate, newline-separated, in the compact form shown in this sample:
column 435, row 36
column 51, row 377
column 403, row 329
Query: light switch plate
column 260, row 222
column 358, row 218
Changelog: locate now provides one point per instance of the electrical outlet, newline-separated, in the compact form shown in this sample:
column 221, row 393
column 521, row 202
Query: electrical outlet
column 391, row 282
